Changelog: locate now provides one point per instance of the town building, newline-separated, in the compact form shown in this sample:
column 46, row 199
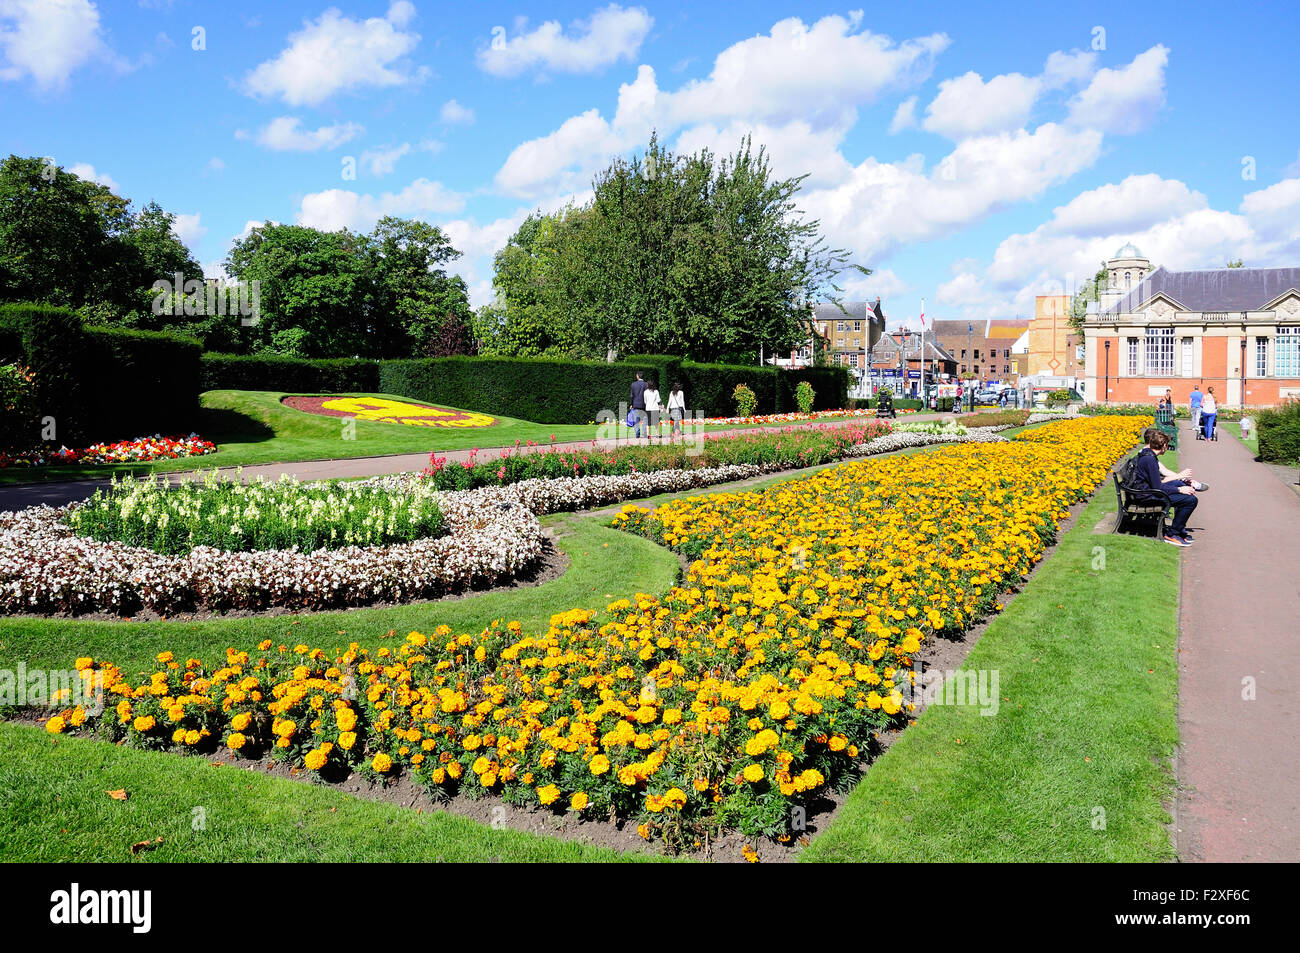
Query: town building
column 846, row 330
column 1236, row 329
column 983, row 350
column 1054, row 349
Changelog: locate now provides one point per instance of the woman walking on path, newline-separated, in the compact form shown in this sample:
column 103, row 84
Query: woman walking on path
column 676, row 411
column 1209, row 410
column 652, row 409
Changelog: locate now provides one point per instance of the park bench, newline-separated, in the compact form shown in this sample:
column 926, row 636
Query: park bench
column 1166, row 424
column 1138, row 504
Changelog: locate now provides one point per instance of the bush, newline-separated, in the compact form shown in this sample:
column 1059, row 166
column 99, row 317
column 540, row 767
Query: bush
column 1279, row 433
column 803, row 396
column 745, row 401
column 140, row 382
column 1003, row 418
column 19, row 422
column 54, row 348
column 1059, row 396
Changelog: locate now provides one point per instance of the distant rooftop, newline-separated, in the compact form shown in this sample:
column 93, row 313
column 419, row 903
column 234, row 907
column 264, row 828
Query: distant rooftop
column 1129, row 251
column 1220, row 289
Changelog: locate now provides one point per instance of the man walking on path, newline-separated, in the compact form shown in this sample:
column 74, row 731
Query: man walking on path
column 1239, row 671
column 1195, row 407
column 638, row 403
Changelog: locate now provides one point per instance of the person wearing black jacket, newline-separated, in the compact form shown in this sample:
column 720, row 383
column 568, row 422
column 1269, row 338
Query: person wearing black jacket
column 1148, row 474
column 638, row 403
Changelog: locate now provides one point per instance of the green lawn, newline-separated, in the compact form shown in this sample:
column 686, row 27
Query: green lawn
column 1087, row 721
column 1086, row 726
column 252, row 427
column 1234, row 427
column 605, row 564
column 55, row 809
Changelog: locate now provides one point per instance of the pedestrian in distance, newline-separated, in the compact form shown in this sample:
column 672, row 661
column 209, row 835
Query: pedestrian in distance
column 676, row 411
column 638, row 403
column 1194, row 405
column 653, row 408
column 1209, row 412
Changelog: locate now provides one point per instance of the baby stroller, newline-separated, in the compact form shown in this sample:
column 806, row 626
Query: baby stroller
column 1214, row 428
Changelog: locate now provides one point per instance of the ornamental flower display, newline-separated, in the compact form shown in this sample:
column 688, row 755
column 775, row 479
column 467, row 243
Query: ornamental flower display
column 387, row 410
column 139, row 450
column 752, row 686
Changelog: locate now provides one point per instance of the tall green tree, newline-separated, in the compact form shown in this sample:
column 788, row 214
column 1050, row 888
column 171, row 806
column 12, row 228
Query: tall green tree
column 691, row 255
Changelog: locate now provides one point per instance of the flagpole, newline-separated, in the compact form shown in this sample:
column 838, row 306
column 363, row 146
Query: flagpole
column 922, row 353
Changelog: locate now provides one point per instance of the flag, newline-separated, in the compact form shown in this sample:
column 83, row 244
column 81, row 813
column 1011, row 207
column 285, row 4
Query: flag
column 922, row 314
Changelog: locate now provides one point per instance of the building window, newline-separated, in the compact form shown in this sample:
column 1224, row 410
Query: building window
column 1188, row 360
column 839, row 342
column 963, row 368
column 1132, row 357
column 1286, row 356
column 977, row 370
column 1128, row 279
column 839, row 326
column 1006, row 368
column 1261, row 357
column 853, row 360
column 977, row 354
column 1160, row 352
column 993, row 353
column 857, row 325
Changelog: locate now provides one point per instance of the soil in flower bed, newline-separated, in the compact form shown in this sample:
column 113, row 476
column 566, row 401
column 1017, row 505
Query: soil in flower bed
column 411, row 412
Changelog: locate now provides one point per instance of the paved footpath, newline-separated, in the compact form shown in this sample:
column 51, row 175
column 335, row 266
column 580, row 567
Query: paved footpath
column 17, row 497
column 1238, row 770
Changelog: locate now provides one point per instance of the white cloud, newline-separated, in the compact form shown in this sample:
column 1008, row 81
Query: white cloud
column 1172, row 224
column 904, row 116
column 49, row 39
column 812, row 75
column 968, row 106
column 454, row 113
column 285, row 134
column 215, row 164
column 334, row 54
column 380, row 162
column 188, row 228
column 794, row 149
column 84, row 170
column 1123, row 100
column 247, row 230
column 1294, row 168
column 1068, row 69
column 882, row 205
column 610, row 34
column 335, row 209
column 215, row 269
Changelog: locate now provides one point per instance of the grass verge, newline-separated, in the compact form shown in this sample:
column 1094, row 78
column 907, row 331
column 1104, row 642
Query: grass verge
column 1074, row 766
column 55, row 808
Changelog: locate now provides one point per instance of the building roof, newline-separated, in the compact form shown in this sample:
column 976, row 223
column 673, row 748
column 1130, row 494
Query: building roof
column 987, row 328
column 1221, row 289
column 1128, row 251
column 830, row 311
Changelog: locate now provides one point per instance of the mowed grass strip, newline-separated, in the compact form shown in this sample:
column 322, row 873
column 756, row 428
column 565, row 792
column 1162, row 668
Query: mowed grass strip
column 604, row 564
column 1074, row 766
column 54, row 806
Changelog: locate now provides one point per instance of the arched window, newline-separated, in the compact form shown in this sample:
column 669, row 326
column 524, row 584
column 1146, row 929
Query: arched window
column 1128, row 279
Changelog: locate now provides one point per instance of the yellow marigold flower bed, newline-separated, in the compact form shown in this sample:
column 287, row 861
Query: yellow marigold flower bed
column 745, row 690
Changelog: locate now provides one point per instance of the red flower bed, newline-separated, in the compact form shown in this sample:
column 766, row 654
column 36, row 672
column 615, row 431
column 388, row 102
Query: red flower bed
column 139, row 450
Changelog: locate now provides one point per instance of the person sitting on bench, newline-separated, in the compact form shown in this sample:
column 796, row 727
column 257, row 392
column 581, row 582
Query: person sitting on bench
column 1149, row 474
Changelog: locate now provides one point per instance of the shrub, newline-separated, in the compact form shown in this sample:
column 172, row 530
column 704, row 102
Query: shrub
column 19, row 422
column 1059, row 396
column 1279, row 433
column 803, row 396
column 746, row 402
column 1003, row 418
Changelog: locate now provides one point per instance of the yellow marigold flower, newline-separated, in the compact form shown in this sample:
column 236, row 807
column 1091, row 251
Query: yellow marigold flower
column 382, row 762
column 548, row 794
column 472, row 742
column 701, row 784
column 315, row 759
column 84, row 663
column 578, row 802
column 347, row 739
column 193, row 736
column 236, row 741
column 672, row 716
column 753, row 773
column 55, row 725
column 144, row 723
column 241, row 721
column 599, row 764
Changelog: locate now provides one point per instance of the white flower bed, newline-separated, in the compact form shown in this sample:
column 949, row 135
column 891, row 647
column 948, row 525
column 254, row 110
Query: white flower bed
column 904, row 440
column 46, row 568
column 492, row 533
column 1042, row 417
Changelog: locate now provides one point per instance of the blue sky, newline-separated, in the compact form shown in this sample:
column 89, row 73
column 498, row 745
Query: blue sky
column 971, row 154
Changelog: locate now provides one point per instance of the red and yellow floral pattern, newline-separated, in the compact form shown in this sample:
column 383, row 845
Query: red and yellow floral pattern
column 389, row 411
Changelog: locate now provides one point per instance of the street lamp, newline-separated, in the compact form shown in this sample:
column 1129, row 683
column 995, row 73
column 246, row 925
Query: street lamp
column 1243, row 370
column 1108, row 370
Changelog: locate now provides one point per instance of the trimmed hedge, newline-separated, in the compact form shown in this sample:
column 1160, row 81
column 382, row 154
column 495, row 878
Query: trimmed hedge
column 1279, row 433
column 330, row 376
column 102, row 383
